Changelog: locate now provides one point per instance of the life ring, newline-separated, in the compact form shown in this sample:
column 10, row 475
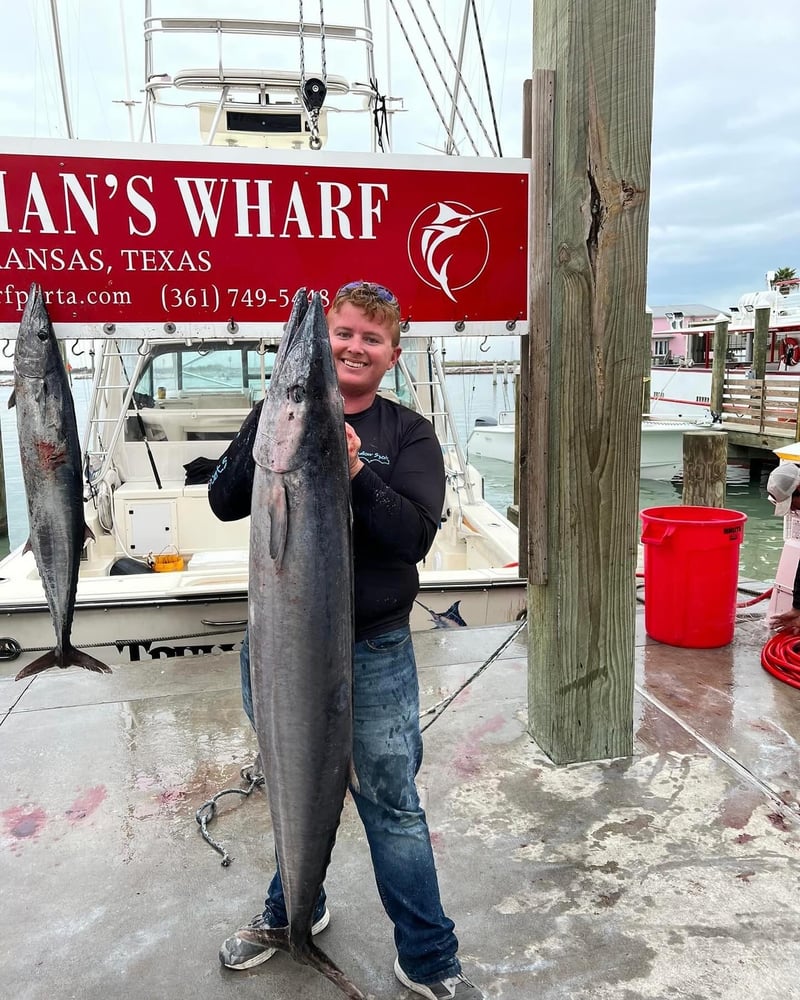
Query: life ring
column 793, row 358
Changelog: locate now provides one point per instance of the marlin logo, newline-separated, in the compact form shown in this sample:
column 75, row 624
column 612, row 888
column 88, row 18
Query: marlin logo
column 449, row 222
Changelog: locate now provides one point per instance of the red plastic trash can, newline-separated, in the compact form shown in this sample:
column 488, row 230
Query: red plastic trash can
column 691, row 574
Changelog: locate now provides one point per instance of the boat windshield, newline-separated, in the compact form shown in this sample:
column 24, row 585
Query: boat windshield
column 223, row 376
column 211, row 376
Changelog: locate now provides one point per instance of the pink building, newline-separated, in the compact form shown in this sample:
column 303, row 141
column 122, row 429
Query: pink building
column 672, row 328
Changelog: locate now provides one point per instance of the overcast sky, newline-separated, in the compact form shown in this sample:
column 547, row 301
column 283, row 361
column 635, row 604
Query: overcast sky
column 725, row 195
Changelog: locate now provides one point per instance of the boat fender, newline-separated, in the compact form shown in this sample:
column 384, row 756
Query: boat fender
column 791, row 351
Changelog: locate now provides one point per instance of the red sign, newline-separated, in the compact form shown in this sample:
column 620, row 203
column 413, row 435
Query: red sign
column 145, row 236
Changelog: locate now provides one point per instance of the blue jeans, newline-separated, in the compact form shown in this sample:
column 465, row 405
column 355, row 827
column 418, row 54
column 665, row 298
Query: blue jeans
column 387, row 753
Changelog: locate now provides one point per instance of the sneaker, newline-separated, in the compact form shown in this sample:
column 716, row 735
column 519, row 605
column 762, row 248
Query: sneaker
column 237, row 953
column 453, row 988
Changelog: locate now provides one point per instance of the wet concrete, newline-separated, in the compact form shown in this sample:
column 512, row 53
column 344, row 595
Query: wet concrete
column 673, row 873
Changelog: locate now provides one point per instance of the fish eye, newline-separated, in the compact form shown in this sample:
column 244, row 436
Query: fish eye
column 43, row 335
column 297, row 393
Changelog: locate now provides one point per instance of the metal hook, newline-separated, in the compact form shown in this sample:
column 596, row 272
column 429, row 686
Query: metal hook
column 483, row 346
column 262, row 347
column 75, row 350
column 146, row 346
column 6, row 345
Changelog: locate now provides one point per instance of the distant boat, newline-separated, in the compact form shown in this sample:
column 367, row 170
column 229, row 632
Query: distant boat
column 661, row 447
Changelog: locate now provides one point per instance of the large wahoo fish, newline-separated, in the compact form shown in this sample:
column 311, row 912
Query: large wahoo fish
column 51, row 470
column 301, row 622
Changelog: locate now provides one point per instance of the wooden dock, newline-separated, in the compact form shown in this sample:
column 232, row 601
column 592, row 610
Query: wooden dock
column 760, row 414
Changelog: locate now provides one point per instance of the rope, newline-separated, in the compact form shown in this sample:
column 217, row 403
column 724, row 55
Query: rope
column 253, row 774
column 486, row 78
column 379, row 116
column 322, row 42
column 422, row 73
column 131, row 642
column 312, row 92
column 441, row 707
column 302, row 46
column 457, row 68
column 443, row 79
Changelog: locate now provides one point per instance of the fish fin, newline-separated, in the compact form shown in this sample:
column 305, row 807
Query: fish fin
column 311, row 955
column 78, row 658
column 278, row 520
column 355, row 784
column 51, row 658
column 27, row 547
column 88, row 533
column 12, row 399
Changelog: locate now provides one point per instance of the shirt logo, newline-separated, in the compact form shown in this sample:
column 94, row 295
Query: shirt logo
column 373, row 458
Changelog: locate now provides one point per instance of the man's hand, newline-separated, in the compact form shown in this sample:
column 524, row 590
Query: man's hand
column 353, row 444
column 788, row 622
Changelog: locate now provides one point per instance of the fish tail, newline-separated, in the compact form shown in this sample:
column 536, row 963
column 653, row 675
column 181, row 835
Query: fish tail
column 269, row 937
column 52, row 658
column 78, row 658
column 311, row 955
column 67, row 657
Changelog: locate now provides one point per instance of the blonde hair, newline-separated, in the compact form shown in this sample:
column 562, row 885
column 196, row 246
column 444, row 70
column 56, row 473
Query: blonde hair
column 376, row 301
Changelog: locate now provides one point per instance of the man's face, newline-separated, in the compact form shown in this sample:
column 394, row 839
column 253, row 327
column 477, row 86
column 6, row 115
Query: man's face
column 362, row 349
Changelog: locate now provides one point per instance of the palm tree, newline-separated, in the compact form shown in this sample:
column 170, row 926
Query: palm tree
column 781, row 275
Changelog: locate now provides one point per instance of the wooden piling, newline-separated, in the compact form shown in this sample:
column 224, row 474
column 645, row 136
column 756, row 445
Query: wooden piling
column 705, row 460
column 720, row 348
column 760, row 342
column 581, row 594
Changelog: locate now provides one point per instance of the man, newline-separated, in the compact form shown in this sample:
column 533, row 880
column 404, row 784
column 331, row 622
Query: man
column 783, row 490
column 397, row 484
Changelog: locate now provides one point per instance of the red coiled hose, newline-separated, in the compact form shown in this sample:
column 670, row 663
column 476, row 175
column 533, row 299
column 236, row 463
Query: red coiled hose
column 781, row 658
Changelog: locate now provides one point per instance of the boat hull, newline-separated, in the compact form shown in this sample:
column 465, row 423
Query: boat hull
column 661, row 455
column 143, row 627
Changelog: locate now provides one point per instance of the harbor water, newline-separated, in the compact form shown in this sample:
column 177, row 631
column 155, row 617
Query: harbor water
column 471, row 396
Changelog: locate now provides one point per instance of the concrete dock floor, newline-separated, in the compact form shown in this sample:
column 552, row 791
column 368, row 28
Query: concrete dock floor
column 671, row 874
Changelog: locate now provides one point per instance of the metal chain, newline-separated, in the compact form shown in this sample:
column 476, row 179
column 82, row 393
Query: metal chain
column 208, row 810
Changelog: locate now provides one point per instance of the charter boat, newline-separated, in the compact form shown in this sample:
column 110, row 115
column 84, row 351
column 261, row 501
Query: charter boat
column 162, row 577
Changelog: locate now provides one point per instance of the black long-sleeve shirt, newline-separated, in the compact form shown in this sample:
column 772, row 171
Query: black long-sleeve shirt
column 397, row 501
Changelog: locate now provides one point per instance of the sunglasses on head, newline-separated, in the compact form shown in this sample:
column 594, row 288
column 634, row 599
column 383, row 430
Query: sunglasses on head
column 380, row 291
